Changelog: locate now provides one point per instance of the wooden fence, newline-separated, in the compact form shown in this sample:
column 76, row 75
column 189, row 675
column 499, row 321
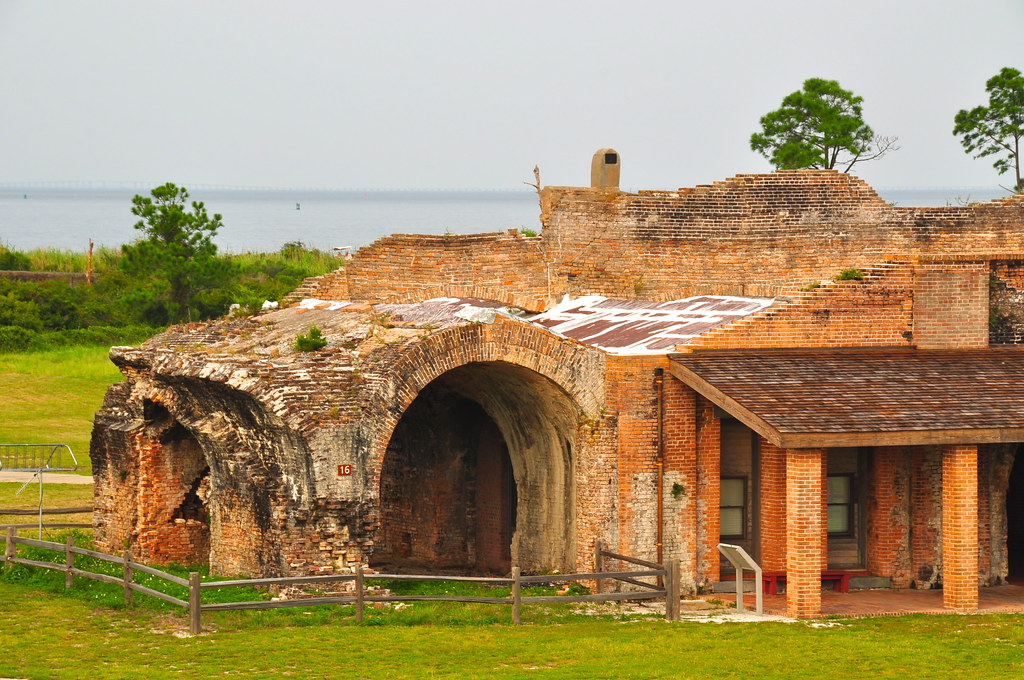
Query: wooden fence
column 13, row 512
column 666, row 583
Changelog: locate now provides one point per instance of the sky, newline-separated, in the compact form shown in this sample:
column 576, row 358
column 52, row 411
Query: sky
column 466, row 95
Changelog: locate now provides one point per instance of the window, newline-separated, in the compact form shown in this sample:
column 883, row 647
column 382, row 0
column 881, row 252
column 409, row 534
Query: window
column 840, row 504
column 733, row 507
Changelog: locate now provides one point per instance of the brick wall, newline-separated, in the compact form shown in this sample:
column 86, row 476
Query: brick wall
column 505, row 267
column 951, row 305
column 874, row 311
column 633, row 399
column 752, row 234
column 888, row 515
column 709, row 484
column 926, row 526
column 773, row 507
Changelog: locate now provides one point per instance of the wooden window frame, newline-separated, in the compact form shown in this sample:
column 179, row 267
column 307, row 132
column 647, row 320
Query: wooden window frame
column 850, row 506
column 743, row 510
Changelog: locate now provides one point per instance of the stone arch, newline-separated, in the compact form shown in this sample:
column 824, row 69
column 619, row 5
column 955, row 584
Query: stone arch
column 535, row 388
column 253, row 469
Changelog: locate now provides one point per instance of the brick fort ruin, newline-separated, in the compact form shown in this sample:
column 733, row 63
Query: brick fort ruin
column 782, row 361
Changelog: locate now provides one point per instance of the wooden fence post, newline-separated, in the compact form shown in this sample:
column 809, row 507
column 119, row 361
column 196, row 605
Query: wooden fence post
column 359, row 593
column 672, row 590
column 9, row 546
column 516, row 600
column 598, row 564
column 195, row 603
column 69, row 561
column 129, row 594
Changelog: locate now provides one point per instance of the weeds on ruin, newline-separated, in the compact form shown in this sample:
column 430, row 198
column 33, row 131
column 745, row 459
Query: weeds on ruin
column 850, row 275
column 313, row 342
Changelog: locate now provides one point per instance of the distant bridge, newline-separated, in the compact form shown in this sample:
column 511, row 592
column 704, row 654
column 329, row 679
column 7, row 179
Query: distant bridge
column 97, row 185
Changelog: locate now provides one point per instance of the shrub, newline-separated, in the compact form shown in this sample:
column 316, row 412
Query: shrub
column 13, row 261
column 17, row 339
column 312, row 342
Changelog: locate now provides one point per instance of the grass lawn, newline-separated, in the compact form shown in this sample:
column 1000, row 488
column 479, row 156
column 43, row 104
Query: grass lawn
column 50, row 397
column 46, row 635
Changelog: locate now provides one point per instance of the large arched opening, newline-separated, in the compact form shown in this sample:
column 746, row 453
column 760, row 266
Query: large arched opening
column 479, row 474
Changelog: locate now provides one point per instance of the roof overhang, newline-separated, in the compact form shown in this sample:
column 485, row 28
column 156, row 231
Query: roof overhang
column 865, row 397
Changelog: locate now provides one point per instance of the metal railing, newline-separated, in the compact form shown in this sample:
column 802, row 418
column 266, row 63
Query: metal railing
column 37, row 459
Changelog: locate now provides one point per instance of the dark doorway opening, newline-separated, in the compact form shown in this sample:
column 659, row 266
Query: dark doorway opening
column 448, row 493
column 1015, row 520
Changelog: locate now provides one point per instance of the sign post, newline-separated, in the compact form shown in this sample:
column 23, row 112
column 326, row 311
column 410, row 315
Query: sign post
column 739, row 558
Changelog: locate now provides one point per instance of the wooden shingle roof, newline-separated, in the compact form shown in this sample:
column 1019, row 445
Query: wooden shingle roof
column 865, row 397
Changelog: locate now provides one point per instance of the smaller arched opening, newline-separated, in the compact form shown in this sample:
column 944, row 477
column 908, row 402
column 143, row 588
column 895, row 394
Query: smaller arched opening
column 478, row 475
column 173, row 503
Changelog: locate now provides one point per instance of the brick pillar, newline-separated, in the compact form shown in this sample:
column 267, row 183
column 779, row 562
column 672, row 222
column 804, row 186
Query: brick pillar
column 960, row 527
column 709, row 488
column 805, row 546
column 773, row 507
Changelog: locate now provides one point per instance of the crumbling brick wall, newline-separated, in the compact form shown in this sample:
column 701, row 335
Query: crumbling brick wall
column 752, row 234
column 505, row 267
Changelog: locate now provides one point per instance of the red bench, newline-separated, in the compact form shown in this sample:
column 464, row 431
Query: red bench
column 771, row 579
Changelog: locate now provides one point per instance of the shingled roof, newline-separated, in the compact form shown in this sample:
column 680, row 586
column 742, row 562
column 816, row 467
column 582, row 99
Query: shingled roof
column 866, row 397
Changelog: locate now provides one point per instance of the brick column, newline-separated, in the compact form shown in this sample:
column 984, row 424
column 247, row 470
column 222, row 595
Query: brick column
column 960, row 527
column 805, row 548
column 709, row 487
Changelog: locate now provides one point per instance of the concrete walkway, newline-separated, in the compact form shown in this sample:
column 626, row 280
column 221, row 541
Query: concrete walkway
column 48, row 478
column 856, row 603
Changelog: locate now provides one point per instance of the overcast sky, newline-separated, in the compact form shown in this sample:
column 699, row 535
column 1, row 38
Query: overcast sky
column 474, row 94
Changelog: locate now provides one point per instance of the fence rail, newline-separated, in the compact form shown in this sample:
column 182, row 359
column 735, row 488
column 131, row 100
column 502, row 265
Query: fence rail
column 667, row 585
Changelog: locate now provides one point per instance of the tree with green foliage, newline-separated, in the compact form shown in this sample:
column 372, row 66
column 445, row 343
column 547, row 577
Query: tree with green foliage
column 996, row 129
column 820, row 126
column 176, row 262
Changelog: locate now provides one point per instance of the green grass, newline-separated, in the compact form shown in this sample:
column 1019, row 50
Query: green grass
column 51, row 396
column 50, row 632
column 53, row 636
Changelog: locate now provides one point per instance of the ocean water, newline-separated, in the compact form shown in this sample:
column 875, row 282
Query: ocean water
column 265, row 220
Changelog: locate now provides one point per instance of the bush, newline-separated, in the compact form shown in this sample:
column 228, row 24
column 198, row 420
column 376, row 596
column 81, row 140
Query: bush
column 17, row 339
column 13, row 261
column 312, row 342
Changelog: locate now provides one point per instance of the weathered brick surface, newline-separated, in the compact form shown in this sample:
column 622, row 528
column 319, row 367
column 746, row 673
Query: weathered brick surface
column 773, row 528
column 926, row 526
column 888, row 515
column 709, row 484
column 506, row 267
column 951, row 305
column 752, row 234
